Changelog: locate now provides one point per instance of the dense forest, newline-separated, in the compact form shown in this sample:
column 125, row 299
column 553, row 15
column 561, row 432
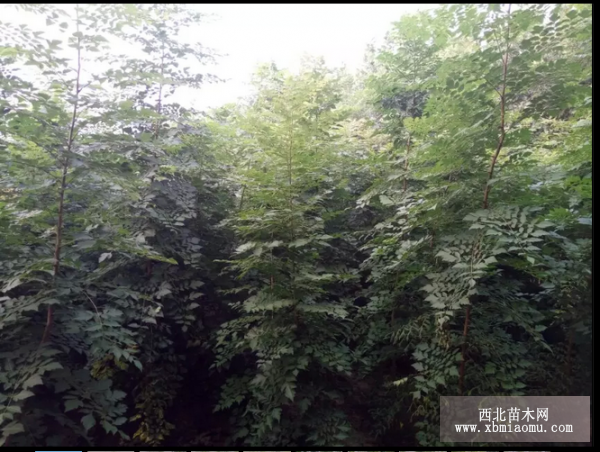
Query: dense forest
column 314, row 265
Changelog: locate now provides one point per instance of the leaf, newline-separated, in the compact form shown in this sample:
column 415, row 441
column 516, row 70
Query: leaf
column 245, row 247
column 276, row 413
column 53, row 366
column 446, row 256
column 288, row 392
column 545, row 224
column 126, row 105
column 104, row 256
column 11, row 284
column 582, row 123
column 299, row 243
column 400, row 382
column 274, row 244
column 587, row 221
column 162, row 293
column 23, row 395
column 108, row 427
column 385, row 200
column 34, row 380
column 71, row 404
column 120, row 421
column 12, row 429
column 86, row 244
column 61, row 386
column 88, row 421
column 539, row 233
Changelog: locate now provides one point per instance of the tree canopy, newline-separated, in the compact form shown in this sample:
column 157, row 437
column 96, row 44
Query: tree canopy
column 314, row 266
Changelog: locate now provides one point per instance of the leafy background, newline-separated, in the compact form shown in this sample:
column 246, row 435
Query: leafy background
column 313, row 266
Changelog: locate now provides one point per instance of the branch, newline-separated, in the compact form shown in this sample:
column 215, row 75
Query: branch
column 160, row 87
column 502, row 117
column 406, row 163
column 487, row 190
column 63, row 184
column 83, row 87
column 495, row 88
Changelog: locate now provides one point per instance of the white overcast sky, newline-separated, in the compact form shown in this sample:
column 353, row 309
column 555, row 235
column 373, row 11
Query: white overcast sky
column 250, row 34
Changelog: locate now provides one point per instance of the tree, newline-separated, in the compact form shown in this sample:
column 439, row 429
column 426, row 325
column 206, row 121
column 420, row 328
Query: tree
column 102, row 152
column 315, row 265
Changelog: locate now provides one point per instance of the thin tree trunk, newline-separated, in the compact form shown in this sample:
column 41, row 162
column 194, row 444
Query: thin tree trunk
column 290, row 160
column 291, row 206
column 63, row 182
column 160, row 90
column 464, row 350
column 487, row 190
column 502, row 136
column 406, row 164
column 150, row 264
column 242, row 198
column 568, row 362
column 394, row 363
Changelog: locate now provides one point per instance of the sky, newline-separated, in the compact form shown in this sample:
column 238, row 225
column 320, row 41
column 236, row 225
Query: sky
column 251, row 34
column 247, row 35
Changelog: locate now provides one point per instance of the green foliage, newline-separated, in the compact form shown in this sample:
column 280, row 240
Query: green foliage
column 313, row 267
column 283, row 322
column 504, row 83
column 102, row 240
